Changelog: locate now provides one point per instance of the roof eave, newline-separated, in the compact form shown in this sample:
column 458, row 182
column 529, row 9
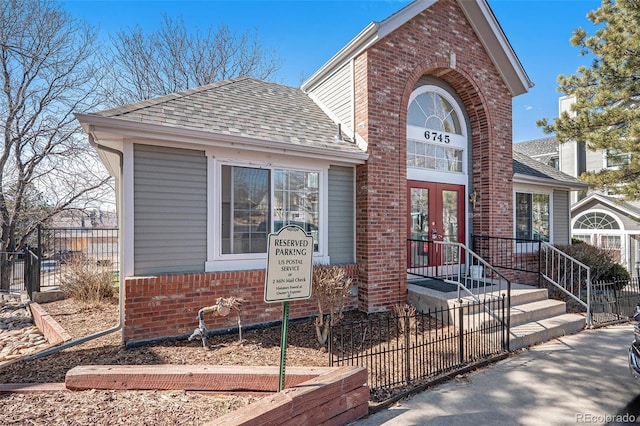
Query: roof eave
column 604, row 200
column 490, row 34
column 95, row 125
column 488, row 30
column 573, row 186
column 368, row 36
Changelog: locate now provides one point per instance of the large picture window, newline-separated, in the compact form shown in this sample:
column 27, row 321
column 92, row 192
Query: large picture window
column 532, row 216
column 256, row 202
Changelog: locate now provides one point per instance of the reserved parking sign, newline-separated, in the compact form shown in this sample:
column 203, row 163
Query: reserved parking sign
column 289, row 265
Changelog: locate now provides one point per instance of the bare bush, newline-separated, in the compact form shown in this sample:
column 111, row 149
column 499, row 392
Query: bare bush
column 402, row 312
column 331, row 289
column 87, row 282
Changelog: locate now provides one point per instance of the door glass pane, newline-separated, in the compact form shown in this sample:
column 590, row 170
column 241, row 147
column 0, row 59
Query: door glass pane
column 419, row 213
column 450, row 224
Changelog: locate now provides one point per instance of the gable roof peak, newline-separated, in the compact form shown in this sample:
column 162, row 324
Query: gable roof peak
column 481, row 19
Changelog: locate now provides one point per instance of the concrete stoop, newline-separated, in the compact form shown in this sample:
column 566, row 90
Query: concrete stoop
column 537, row 319
column 534, row 317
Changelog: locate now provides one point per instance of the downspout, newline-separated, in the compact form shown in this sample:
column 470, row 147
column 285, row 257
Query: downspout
column 120, row 292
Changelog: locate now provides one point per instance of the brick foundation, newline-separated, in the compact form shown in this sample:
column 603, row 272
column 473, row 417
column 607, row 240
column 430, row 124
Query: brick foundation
column 166, row 306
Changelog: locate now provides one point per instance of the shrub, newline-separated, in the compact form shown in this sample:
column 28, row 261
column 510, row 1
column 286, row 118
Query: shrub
column 86, row 282
column 598, row 259
column 331, row 289
column 618, row 275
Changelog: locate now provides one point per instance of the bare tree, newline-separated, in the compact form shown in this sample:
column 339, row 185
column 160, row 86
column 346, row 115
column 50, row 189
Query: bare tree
column 47, row 74
column 173, row 59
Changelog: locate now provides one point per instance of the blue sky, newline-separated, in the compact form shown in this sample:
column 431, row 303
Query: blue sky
column 306, row 33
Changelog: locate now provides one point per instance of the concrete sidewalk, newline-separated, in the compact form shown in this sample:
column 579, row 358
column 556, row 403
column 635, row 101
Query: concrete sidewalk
column 579, row 379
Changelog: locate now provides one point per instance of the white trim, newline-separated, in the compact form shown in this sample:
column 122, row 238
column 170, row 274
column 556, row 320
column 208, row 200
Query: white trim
column 457, row 141
column 620, row 229
column 216, row 260
column 533, row 191
column 606, row 201
column 481, row 19
column 106, row 128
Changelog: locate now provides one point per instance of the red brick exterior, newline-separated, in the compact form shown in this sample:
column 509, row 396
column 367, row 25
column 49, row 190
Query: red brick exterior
column 385, row 76
column 166, row 306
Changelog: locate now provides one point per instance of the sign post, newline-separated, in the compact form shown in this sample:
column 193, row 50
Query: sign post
column 289, row 276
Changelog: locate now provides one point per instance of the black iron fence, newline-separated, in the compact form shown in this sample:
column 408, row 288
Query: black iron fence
column 59, row 248
column 614, row 301
column 12, row 271
column 19, row 271
column 409, row 348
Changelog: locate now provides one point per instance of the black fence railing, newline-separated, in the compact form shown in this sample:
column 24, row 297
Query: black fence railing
column 614, row 301
column 410, row 348
column 19, row 272
column 428, row 258
column 60, row 247
column 12, row 271
column 516, row 254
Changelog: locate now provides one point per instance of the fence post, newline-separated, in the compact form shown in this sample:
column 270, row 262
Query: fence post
column 461, row 332
column 407, row 349
column 330, row 345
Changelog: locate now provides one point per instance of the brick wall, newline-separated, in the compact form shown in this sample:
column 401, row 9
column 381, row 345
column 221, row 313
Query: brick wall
column 385, row 76
column 166, row 306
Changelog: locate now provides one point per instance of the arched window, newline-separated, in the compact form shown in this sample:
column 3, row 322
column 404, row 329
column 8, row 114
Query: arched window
column 596, row 220
column 435, row 131
column 431, row 110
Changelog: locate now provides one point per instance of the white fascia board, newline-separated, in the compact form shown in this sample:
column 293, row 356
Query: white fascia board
column 605, row 201
column 523, row 179
column 496, row 45
column 368, row 36
column 98, row 126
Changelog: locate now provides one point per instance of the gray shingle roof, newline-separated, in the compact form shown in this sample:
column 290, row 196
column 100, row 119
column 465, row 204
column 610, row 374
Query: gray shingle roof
column 535, row 147
column 242, row 107
column 543, row 149
column 527, row 166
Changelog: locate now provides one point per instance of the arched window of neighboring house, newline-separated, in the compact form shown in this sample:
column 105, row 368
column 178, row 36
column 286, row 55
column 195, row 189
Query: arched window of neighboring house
column 596, row 220
column 602, row 230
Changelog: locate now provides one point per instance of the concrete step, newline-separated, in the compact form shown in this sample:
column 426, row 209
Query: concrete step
column 535, row 311
column 543, row 330
column 521, row 296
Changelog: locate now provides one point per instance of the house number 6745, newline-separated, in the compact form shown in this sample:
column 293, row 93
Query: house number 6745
column 436, row 137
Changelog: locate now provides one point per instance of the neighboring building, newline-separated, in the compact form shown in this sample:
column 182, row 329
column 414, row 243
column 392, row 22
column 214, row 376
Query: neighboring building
column 412, row 118
column 544, row 150
column 597, row 216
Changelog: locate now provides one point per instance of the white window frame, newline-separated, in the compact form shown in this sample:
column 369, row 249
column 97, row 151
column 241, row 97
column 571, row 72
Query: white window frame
column 606, row 157
column 530, row 247
column 216, row 260
column 416, row 133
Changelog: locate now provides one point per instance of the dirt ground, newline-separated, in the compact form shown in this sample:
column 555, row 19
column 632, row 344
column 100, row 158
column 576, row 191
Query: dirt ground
column 259, row 347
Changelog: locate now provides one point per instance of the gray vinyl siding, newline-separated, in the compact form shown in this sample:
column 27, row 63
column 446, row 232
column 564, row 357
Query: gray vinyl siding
column 341, row 214
column 594, row 160
column 561, row 221
column 170, row 210
column 336, row 94
column 568, row 152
